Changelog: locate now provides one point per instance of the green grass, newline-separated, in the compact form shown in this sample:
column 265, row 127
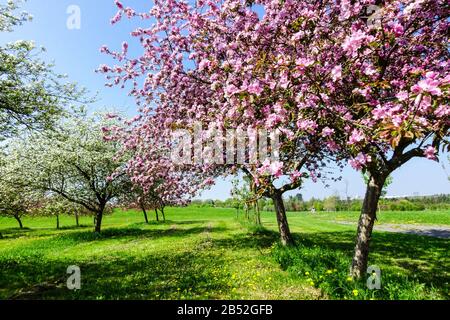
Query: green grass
column 205, row 253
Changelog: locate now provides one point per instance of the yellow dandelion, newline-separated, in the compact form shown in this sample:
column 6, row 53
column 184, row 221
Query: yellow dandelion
column 355, row 292
column 349, row 279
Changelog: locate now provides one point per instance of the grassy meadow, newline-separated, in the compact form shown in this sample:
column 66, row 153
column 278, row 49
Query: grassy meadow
column 210, row 253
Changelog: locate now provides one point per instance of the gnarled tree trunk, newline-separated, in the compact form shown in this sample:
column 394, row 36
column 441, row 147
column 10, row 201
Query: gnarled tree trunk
column 98, row 221
column 283, row 226
column 17, row 217
column 365, row 225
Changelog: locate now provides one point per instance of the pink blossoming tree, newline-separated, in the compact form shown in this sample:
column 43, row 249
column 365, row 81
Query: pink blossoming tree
column 219, row 63
column 333, row 79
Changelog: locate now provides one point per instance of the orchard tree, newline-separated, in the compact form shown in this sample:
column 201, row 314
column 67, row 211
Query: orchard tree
column 155, row 180
column 365, row 79
column 54, row 206
column 219, row 63
column 388, row 85
column 17, row 198
column 146, row 200
column 75, row 163
column 31, row 93
column 245, row 195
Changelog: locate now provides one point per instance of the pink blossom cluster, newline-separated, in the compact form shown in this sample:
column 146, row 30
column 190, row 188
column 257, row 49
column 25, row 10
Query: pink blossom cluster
column 336, row 86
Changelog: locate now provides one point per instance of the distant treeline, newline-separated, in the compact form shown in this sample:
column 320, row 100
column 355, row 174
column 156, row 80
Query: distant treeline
column 334, row 203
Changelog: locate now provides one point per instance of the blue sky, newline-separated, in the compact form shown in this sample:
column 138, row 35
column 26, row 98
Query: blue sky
column 76, row 53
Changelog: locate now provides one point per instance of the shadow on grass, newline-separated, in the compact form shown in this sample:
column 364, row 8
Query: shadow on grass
column 167, row 223
column 115, row 233
column 261, row 238
column 187, row 275
column 195, row 274
column 423, row 258
column 14, row 233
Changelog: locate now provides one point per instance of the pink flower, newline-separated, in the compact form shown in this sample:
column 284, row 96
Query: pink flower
column 116, row 18
column 402, row 95
column 124, row 48
column 442, row 111
column 284, row 81
column 119, row 4
column 332, row 146
column 307, row 125
column 204, row 64
column 430, row 153
column 273, row 120
column 398, row 29
column 231, row 90
column 326, row 132
column 265, row 168
column 379, row 113
column 255, row 88
column 353, row 42
column 295, row 176
column 336, row 73
column 209, row 182
column 303, row 63
column 276, row 169
column 360, row 161
column 356, row 137
column 271, row 168
column 429, row 84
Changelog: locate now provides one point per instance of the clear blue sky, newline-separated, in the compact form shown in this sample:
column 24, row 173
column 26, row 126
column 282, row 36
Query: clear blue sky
column 76, row 53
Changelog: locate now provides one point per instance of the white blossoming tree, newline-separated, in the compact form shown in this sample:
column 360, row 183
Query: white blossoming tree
column 17, row 198
column 31, row 93
column 74, row 163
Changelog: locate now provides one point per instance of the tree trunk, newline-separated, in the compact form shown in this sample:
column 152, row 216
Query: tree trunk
column 77, row 220
column 258, row 214
column 365, row 226
column 283, row 226
column 98, row 221
column 57, row 221
column 17, row 217
column 163, row 214
column 157, row 215
column 145, row 214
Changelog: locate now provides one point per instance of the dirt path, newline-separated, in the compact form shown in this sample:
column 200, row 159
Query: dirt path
column 435, row 231
column 421, row 230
